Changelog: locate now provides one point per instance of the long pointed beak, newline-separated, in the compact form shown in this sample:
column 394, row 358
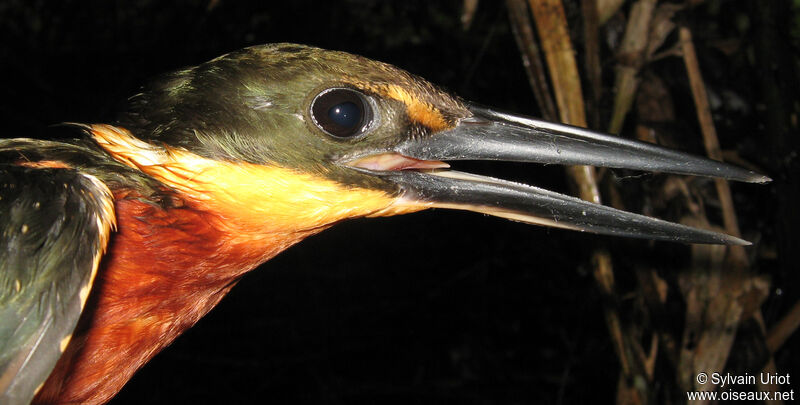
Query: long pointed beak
column 415, row 166
column 492, row 135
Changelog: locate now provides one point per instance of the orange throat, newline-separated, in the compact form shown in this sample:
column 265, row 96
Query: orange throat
column 163, row 271
column 166, row 267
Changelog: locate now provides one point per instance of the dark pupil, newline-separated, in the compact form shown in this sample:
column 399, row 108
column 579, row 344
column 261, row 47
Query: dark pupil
column 346, row 114
column 342, row 113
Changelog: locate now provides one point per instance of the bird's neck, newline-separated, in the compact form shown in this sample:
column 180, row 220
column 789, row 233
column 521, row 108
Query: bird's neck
column 170, row 263
column 164, row 270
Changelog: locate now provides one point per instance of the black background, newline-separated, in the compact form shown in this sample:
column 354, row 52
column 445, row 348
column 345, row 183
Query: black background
column 437, row 307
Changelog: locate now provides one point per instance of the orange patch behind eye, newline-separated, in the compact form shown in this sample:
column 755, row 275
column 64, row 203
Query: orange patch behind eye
column 419, row 112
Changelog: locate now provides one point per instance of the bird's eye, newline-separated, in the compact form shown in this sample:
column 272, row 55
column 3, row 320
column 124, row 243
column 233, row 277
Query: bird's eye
column 341, row 112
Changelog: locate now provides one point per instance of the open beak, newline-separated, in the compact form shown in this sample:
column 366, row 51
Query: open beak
column 415, row 166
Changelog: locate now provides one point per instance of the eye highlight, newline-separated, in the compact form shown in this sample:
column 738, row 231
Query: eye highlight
column 341, row 112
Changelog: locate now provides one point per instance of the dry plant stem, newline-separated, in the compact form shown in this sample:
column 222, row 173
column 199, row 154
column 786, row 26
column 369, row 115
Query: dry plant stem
column 607, row 8
column 592, row 48
column 738, row 257
column 531, row 57
column 711, row 142
column 551, row 24
column 468, row 9
column 781, row 331
column 604, row 276
column 631, row 57
column 661, row 26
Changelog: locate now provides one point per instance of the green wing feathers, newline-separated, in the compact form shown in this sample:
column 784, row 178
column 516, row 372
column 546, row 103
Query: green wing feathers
column 55, row 224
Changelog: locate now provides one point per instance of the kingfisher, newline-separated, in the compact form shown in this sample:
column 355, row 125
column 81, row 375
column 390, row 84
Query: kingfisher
column 118, row 241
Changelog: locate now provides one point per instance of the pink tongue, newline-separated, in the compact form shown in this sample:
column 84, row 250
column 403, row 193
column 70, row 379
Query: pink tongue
column 396, row 161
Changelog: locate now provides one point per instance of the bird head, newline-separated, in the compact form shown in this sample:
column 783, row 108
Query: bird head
column 289, row 138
